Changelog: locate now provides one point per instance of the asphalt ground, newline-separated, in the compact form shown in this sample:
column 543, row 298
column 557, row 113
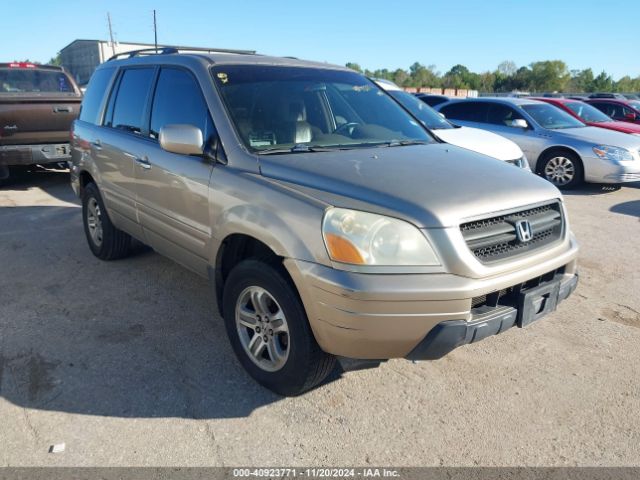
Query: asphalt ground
column 127, row 364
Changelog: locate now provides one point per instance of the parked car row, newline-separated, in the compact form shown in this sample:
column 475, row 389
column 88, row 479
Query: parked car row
column 473, row 139
column 559, row 145
column 332, row 222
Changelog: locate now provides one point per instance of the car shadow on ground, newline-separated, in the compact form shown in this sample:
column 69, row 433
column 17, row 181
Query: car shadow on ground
column 53, row 182
column 631, row 208
column 138, row 337
column 599, row 188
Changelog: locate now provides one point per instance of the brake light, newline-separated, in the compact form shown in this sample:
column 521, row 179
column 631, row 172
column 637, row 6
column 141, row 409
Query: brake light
column 21, row 65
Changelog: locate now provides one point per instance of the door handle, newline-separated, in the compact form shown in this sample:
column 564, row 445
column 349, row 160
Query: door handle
column 143, row 162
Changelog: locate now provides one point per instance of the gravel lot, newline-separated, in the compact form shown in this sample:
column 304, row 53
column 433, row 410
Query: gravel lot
column 127, row 363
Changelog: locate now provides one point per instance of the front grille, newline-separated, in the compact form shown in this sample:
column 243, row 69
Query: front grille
column 495, row 238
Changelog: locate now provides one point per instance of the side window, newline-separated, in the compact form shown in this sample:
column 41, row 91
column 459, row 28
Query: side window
column 467, row 111
column 502, row 115
column 90, row 109
column 178, row 99
column 131, row 99
column 602, row 107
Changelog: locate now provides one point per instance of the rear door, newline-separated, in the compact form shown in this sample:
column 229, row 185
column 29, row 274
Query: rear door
column 37, row 105
column 119, row 145
column 173, row 189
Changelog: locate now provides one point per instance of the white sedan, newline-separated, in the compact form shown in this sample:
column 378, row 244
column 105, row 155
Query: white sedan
column 474, row 139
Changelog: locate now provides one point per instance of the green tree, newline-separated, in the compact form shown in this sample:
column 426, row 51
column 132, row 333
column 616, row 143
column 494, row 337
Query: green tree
column 581, row 80
column 603, row 83
column 57, row 60
column 458, row 77
column 549, row 76
column 400, row 77
column 421, row 76
column 354, row 66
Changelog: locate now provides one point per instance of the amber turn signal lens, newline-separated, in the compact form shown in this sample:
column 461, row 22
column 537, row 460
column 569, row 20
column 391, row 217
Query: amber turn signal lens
column 342, row 250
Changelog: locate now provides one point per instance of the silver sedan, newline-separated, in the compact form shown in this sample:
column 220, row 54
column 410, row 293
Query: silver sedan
column 559, row 147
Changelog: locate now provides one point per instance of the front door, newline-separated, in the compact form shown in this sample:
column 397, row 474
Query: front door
column 173, row 189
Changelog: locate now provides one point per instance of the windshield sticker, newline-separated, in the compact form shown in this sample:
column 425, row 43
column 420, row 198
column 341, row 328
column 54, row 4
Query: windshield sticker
column 361, row 88
column 223, row 77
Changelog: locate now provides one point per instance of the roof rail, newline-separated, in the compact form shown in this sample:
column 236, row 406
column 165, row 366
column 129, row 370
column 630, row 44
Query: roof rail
column 172, row 50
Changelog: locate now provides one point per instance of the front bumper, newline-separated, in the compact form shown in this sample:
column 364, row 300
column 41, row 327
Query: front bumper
column 447, row 336
column 14, row 155
column 382, row 316
column 602, row 171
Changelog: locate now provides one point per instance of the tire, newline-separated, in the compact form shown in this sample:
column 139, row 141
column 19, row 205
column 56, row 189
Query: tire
column 105, row 241
column 291, row 362
column 563, row 169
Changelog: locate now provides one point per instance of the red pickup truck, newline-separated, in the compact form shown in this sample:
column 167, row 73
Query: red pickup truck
column 38, row 103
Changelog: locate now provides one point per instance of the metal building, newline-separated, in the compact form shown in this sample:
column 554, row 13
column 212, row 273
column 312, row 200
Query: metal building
column 81, row 57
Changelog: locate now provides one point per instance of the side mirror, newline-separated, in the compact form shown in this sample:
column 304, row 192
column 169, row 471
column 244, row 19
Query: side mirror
column 630, row 116
column 519, row 123
column 182, row 139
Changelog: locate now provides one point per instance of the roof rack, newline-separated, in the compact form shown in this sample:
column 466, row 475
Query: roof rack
column 172, row 50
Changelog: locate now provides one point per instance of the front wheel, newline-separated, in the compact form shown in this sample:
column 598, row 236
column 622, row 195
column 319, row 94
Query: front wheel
column 269, row 331
column 563, row 169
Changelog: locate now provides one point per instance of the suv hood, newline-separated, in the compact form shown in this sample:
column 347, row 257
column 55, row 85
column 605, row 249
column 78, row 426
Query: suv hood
column 432, row 186
column 602, row 136
column 481, row 141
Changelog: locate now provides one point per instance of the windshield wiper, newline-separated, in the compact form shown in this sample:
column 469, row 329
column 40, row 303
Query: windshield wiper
column 297, row 148
column 402, row 143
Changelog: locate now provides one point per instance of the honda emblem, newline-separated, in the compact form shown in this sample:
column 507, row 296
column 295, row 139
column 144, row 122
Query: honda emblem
column 523, row 231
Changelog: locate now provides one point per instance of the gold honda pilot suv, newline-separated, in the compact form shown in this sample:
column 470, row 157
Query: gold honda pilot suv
column 331, row 222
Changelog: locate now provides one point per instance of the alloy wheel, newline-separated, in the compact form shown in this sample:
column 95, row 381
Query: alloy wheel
column 262, row 328
column 560, row 171
column 94, row 221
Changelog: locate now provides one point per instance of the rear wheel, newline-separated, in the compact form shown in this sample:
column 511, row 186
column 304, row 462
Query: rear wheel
column 105, row 241
column 563, row 169
column 269, row 331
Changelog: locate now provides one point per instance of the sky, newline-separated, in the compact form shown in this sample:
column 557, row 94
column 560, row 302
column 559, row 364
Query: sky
column 375, row 34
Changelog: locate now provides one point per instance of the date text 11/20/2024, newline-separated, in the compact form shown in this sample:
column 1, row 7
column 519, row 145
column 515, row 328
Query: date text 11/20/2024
column 315, row 472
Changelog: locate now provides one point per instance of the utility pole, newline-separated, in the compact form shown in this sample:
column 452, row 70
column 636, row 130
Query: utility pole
column 113, row 45
column 155, row 30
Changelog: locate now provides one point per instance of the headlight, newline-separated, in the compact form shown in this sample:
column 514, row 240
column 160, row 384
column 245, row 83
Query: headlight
column 524, row 163
column 362, row 238
column 614, row 154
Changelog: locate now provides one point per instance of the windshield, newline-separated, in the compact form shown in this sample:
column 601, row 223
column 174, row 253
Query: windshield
column 22, row 80
column 423, row 112
column 279, row 109
column 548, row 116
column 587, row 112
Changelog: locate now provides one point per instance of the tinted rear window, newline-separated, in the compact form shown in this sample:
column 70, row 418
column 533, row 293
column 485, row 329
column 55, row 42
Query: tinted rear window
column 96, row 90
column 29, row 80
column 128, row 110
